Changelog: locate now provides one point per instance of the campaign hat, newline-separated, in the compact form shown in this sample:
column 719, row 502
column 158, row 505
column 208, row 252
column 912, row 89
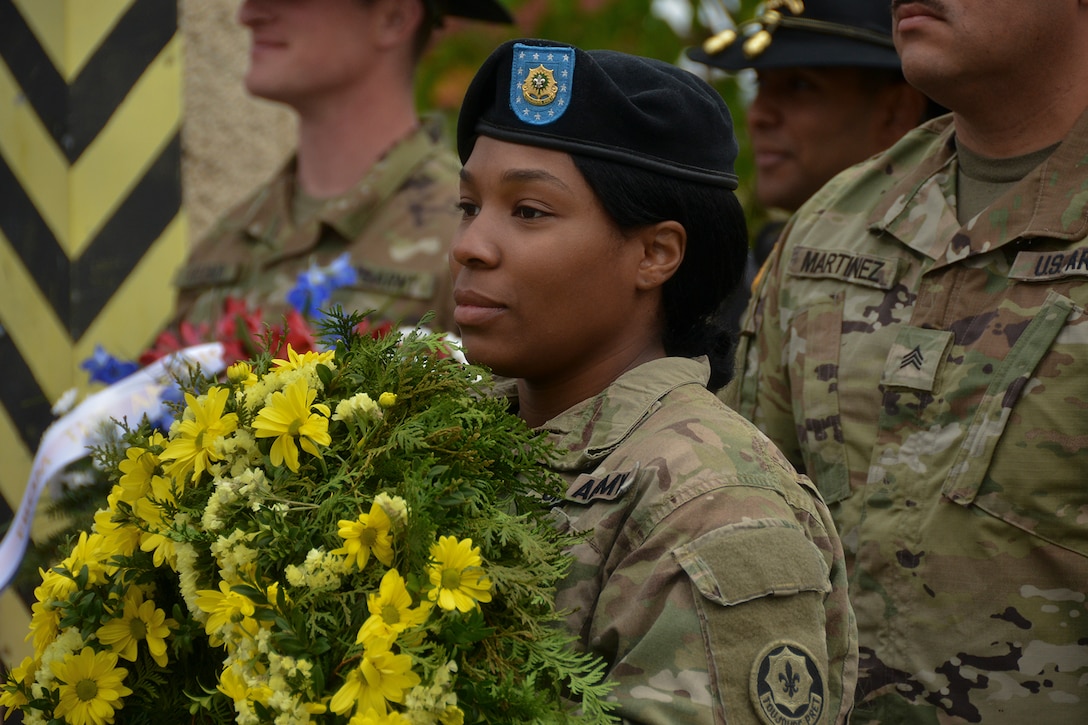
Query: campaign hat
column 806, row 33
column 636, row 111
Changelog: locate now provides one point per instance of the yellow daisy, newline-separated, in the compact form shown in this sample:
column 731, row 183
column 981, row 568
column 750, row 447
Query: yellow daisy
column 295, row 361
column 370, row 717
column 20, row 679
column 149, row 510
column 193, row 445
column 391, row 608
column 382, row 677
column 91, row 689
column 121, row 539
column 240, row 373
column 44, row 624
column 452, row 715
column 138, row 621
column 233, row 685
column 90, row 552
column 367, row 534
column 456, row 575
column 137, row 469
column 223, row 607
column 288, row 417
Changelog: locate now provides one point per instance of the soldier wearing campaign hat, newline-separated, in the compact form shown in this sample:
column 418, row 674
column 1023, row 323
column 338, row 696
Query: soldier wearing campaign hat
column 599, row 234
column 830, row 93
column 919, row 345
column 368, row 177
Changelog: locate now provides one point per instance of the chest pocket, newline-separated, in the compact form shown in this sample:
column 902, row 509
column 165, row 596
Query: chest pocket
column 1007, row 433
column 1049, row 501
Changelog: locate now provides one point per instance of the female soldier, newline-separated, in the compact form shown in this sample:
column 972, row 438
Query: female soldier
column 599, row 234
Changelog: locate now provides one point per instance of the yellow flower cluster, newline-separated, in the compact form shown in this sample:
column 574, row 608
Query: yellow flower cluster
column 297, row 550
column 458, row 583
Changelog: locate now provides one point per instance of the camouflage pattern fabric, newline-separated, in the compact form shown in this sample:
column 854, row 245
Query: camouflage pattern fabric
column 712, row 581
column 932, row 379
column 396, row 223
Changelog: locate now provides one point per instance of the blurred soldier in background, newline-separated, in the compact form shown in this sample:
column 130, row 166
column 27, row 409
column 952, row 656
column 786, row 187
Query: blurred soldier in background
column 919, row 346
column 367, row 177
column 830, row 94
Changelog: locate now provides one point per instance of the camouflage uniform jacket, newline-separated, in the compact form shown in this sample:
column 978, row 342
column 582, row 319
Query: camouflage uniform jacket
column 712, row 581
column 932, row 379
column 396, row 223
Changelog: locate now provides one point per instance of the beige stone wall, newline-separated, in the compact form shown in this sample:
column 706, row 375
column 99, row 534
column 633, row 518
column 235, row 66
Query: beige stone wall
column 230, row 141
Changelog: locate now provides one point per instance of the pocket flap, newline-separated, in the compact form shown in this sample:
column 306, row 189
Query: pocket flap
column 756, row 559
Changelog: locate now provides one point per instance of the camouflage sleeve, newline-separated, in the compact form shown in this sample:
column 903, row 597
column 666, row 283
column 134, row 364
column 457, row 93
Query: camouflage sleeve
column 761, row 389
column 739, row 624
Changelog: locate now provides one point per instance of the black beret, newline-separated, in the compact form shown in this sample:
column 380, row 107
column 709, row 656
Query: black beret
column 813, row 33
column 627, row 109
column 489, row 10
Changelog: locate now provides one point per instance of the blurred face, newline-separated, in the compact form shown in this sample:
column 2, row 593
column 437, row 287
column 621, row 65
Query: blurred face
column 808, row 124
column 301, row 49
column 543, row 278
column 951, row 47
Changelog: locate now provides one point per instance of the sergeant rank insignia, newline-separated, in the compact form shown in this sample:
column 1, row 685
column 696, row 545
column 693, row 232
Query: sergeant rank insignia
column 540, row 82
column 786, row 686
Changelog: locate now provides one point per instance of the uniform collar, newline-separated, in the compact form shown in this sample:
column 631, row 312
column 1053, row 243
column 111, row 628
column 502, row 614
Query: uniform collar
column 916, row 209
column 349, row 213
column 590, row 430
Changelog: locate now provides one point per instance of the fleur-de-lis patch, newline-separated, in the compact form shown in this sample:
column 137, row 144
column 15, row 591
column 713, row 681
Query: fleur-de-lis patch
column 540, row 82
column 787, row 686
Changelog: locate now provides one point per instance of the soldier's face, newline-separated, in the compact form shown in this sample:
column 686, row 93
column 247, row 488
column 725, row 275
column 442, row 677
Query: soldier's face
column 808, row 124
column 543, row 279
column 963, row 52
column 301, row 50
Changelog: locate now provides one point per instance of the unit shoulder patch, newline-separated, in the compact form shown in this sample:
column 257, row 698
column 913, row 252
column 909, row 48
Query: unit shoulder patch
column 786, row 686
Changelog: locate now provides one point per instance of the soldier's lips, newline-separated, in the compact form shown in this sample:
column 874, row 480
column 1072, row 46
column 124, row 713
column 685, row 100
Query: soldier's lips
column 260, row 45
column 770, row 159
column 474, row 309
column 915, row 13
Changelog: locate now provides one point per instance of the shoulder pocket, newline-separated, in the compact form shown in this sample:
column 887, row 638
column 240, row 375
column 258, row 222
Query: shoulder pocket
column 740, row 563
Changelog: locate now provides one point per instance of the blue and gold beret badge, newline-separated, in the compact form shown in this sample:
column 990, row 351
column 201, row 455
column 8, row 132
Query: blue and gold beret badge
column 787, row 687
column 540, row 82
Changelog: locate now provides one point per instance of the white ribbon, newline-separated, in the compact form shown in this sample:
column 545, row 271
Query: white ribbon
column 68, row 438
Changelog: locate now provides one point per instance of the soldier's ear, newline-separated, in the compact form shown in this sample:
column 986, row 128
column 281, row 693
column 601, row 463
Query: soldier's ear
column 398, row 20
column 663, row 246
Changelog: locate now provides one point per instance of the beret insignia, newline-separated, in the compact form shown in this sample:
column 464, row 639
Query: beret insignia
column 540, row 82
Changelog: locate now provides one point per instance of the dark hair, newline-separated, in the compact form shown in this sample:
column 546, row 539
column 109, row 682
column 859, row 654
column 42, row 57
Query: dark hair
column 713, row 266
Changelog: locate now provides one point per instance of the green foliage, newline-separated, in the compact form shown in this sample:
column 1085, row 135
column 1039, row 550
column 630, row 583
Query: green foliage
column 252, row 560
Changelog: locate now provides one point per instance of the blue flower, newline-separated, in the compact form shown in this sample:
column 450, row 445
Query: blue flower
column 105, row 368
column 315, row 286
column 341, row 272
column 169, row 399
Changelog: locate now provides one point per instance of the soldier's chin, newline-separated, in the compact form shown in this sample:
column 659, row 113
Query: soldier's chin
column 259, row 86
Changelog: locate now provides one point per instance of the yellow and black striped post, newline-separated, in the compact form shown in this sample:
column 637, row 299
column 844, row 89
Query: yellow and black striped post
column 91, row 223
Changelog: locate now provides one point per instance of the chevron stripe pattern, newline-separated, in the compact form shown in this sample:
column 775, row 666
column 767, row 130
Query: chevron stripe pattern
column 91, row 222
